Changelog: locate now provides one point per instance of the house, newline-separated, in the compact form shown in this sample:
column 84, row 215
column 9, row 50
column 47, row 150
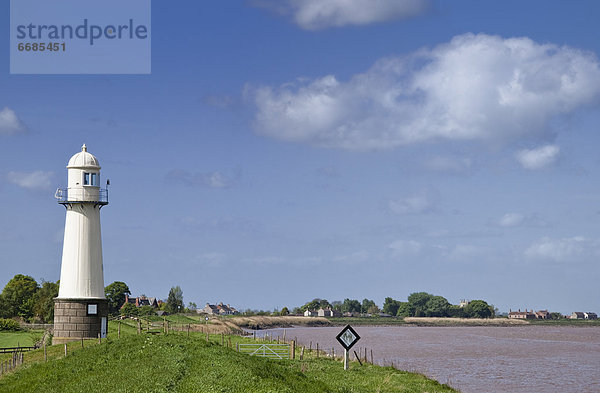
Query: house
column 218, row 309
column 328, row 312
column 310, row 313
column 542, row 314
column 142, row 301
column 464, row 303
column 590, row 315
column 226, row 309
column 521, row 314
column 577, row 315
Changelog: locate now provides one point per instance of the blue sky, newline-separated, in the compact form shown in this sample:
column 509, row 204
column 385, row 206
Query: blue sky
column 287, row 150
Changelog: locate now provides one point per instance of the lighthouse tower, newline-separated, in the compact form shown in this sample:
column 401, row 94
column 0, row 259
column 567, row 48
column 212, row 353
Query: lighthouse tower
column 81, row 310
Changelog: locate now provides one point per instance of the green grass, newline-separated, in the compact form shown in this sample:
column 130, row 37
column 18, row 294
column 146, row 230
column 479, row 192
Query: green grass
column 177, row 363
column 23, row 339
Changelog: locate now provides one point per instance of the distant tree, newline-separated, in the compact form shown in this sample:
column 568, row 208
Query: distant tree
column 145, row 311
column 479, row 309
column 174, row 302
column 556, row 315
column 437, row 306
column 456, row 311
column 351, row 305
column 373, row 309
column 418, row 302
column 366, row 305
column 337, row 305
column 390, row 306
column 43, row 307
column 316, row 304
column 285, row 311
column 129, row 310
column 115, row 293
column 18, row 297
column 192, row 306
column 404, row 310
column 297, row 310
column 9, row 325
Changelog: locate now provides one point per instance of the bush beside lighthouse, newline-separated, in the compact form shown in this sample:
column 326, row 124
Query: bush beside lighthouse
column 81, row 309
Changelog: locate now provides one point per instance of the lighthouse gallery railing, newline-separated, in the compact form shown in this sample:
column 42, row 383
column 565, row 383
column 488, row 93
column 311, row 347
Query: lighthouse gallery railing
column 91, row 194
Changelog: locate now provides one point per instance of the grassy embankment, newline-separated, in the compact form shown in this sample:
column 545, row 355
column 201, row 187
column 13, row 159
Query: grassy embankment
column 178, row 363
column 22, row 339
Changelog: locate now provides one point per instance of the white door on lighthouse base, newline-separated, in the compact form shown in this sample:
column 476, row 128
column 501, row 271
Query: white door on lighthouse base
column 103, row 327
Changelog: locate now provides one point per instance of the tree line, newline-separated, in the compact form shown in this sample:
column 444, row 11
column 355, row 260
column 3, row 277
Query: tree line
column 423, row 304
column 23, row 297
column 26, row 299
column 418, row 304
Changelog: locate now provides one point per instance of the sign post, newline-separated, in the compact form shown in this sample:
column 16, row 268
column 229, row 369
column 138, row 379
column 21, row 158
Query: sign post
column 347, row 337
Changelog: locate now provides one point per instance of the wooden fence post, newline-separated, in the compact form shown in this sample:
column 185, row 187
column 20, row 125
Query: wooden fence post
column 357, row 358
column 65, row 349
column 317, row 350
column 302, row 353
column 119, row 330
column 139, row 327
column 188, row 330
column 206, row 336
column 293, row 350
column 45, row 356
column 222, row 339
column 82, row 341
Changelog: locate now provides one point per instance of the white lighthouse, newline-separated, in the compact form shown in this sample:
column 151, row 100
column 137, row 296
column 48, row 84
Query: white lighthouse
column 81, row 309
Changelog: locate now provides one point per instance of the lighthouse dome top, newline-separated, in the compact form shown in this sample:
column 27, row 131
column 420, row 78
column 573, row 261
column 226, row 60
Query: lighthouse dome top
column 83, row 159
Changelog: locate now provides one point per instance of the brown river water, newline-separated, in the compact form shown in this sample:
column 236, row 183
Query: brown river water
column 532, row 359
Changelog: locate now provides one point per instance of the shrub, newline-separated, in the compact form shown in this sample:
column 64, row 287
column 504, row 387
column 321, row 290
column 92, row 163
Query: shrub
column 9, row 325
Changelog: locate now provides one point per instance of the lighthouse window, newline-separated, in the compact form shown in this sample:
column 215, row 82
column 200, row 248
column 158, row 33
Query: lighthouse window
column 91, row 179
column 92, row 309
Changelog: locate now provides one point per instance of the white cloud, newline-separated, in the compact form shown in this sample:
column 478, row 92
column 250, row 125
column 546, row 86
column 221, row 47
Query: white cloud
column 406, row 247
column 563, row 250
column 511, row 220
column 356, row 258
column 461, row 252
column 321, row 14
column 37, row 180
column 414, row 204
column 539, row 157
column 474, row 88
column 10, row 123
column 214, row 179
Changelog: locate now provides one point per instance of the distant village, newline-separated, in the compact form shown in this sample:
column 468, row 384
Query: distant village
column 544, row 314
column 226, row 309
column 210, row 309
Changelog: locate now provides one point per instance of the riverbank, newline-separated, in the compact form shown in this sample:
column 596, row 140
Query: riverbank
column 178, row 362
column 268, row 322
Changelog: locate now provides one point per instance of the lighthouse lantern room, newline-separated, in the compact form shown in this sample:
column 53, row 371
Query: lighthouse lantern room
column 81, row 309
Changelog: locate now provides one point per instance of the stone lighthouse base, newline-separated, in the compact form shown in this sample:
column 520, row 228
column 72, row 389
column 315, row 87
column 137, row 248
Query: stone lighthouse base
column 75, row 319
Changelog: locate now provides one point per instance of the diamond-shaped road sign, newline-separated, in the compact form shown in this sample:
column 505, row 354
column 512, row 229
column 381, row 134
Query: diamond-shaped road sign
column 348, row 337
